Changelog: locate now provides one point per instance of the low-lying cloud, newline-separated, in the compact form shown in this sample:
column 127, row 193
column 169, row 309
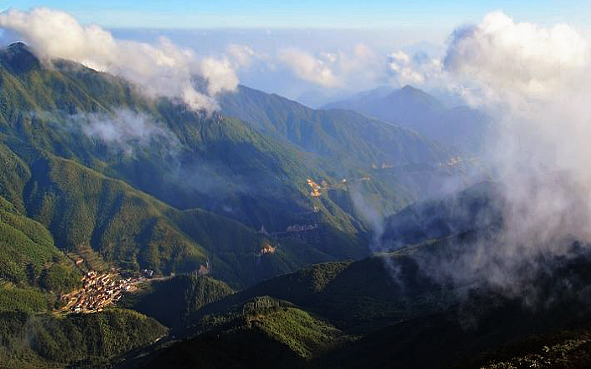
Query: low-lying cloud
column 535, row 82
column 126, row 131
column 162, row 69
column 136, row 134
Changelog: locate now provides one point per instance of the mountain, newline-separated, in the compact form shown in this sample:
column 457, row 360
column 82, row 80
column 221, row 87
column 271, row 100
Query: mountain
column 98, row 176
column 173, row 191
column 331, row 134
column 81, row 340
column 349, row 314
column 173, row 300
column 385, row 311
column 461, row 126
column 343, row 318
column 386, row 165
column 142, row 209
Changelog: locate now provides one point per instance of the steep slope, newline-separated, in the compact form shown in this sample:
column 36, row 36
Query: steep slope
column 410, row 107
column 392, row 312
column 384, row 164
column 47, row 341
column 32, row 269
column 89, row 190
column 381, row 319
column 334, row 134
column 170, row 301
column 28, row 256
column 133, row 230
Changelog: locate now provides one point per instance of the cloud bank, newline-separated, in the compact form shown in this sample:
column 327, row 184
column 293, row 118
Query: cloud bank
column 536, row 82
column 162, row 69
column 361, row 68
column 517, row 57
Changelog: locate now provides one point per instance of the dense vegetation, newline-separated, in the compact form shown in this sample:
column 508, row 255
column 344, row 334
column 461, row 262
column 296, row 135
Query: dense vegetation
column 172, row 300
column 23, row 299
column 385, row 312
column 49, row 341
column 28, row 256
column 341, row 316
column 89, row 192
column 269, row 332
column 193, row 195
column 403, row 165
column 334, row 134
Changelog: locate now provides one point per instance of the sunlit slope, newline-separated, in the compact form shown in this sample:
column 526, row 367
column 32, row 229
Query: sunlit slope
column 215, row 163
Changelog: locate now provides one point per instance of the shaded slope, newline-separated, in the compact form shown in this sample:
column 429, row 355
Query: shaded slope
column 477, row 208
column 405, row 322
column 84, row 339
column 171, row 301
column 262, row 331
column 395, row 315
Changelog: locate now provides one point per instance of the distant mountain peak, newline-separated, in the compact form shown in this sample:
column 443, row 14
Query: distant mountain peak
column 418, row 110
column 19, row 58
column 409, row 90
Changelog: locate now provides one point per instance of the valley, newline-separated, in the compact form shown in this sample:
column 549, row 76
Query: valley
column 164, row 205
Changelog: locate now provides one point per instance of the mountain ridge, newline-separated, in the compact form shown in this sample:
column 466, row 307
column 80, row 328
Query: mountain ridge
column 459, row 126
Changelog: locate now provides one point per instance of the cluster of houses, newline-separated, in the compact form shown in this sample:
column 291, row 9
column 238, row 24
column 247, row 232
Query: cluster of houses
column 99, row 291
column 267, row 250
column 300, row 228
column 383, row 166
column 454, row 161
column 314, row 188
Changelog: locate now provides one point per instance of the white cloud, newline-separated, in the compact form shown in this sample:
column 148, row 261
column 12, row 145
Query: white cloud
column 162, row 69
column 401, row 64
column 219, row 74
column 362, row 68
column 126, row 130
column 308, row 67
column 241, row 55
column 536, row 82
column 522, row 57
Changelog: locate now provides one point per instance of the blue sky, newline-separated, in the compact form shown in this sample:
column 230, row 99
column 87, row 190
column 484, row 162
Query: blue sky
column 420, row 14
column 317, row 27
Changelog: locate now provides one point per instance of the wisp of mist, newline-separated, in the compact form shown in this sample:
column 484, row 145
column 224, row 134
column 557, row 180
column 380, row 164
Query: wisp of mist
column 535, row 82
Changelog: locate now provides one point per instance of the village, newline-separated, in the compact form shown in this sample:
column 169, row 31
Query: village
column 98, row 292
